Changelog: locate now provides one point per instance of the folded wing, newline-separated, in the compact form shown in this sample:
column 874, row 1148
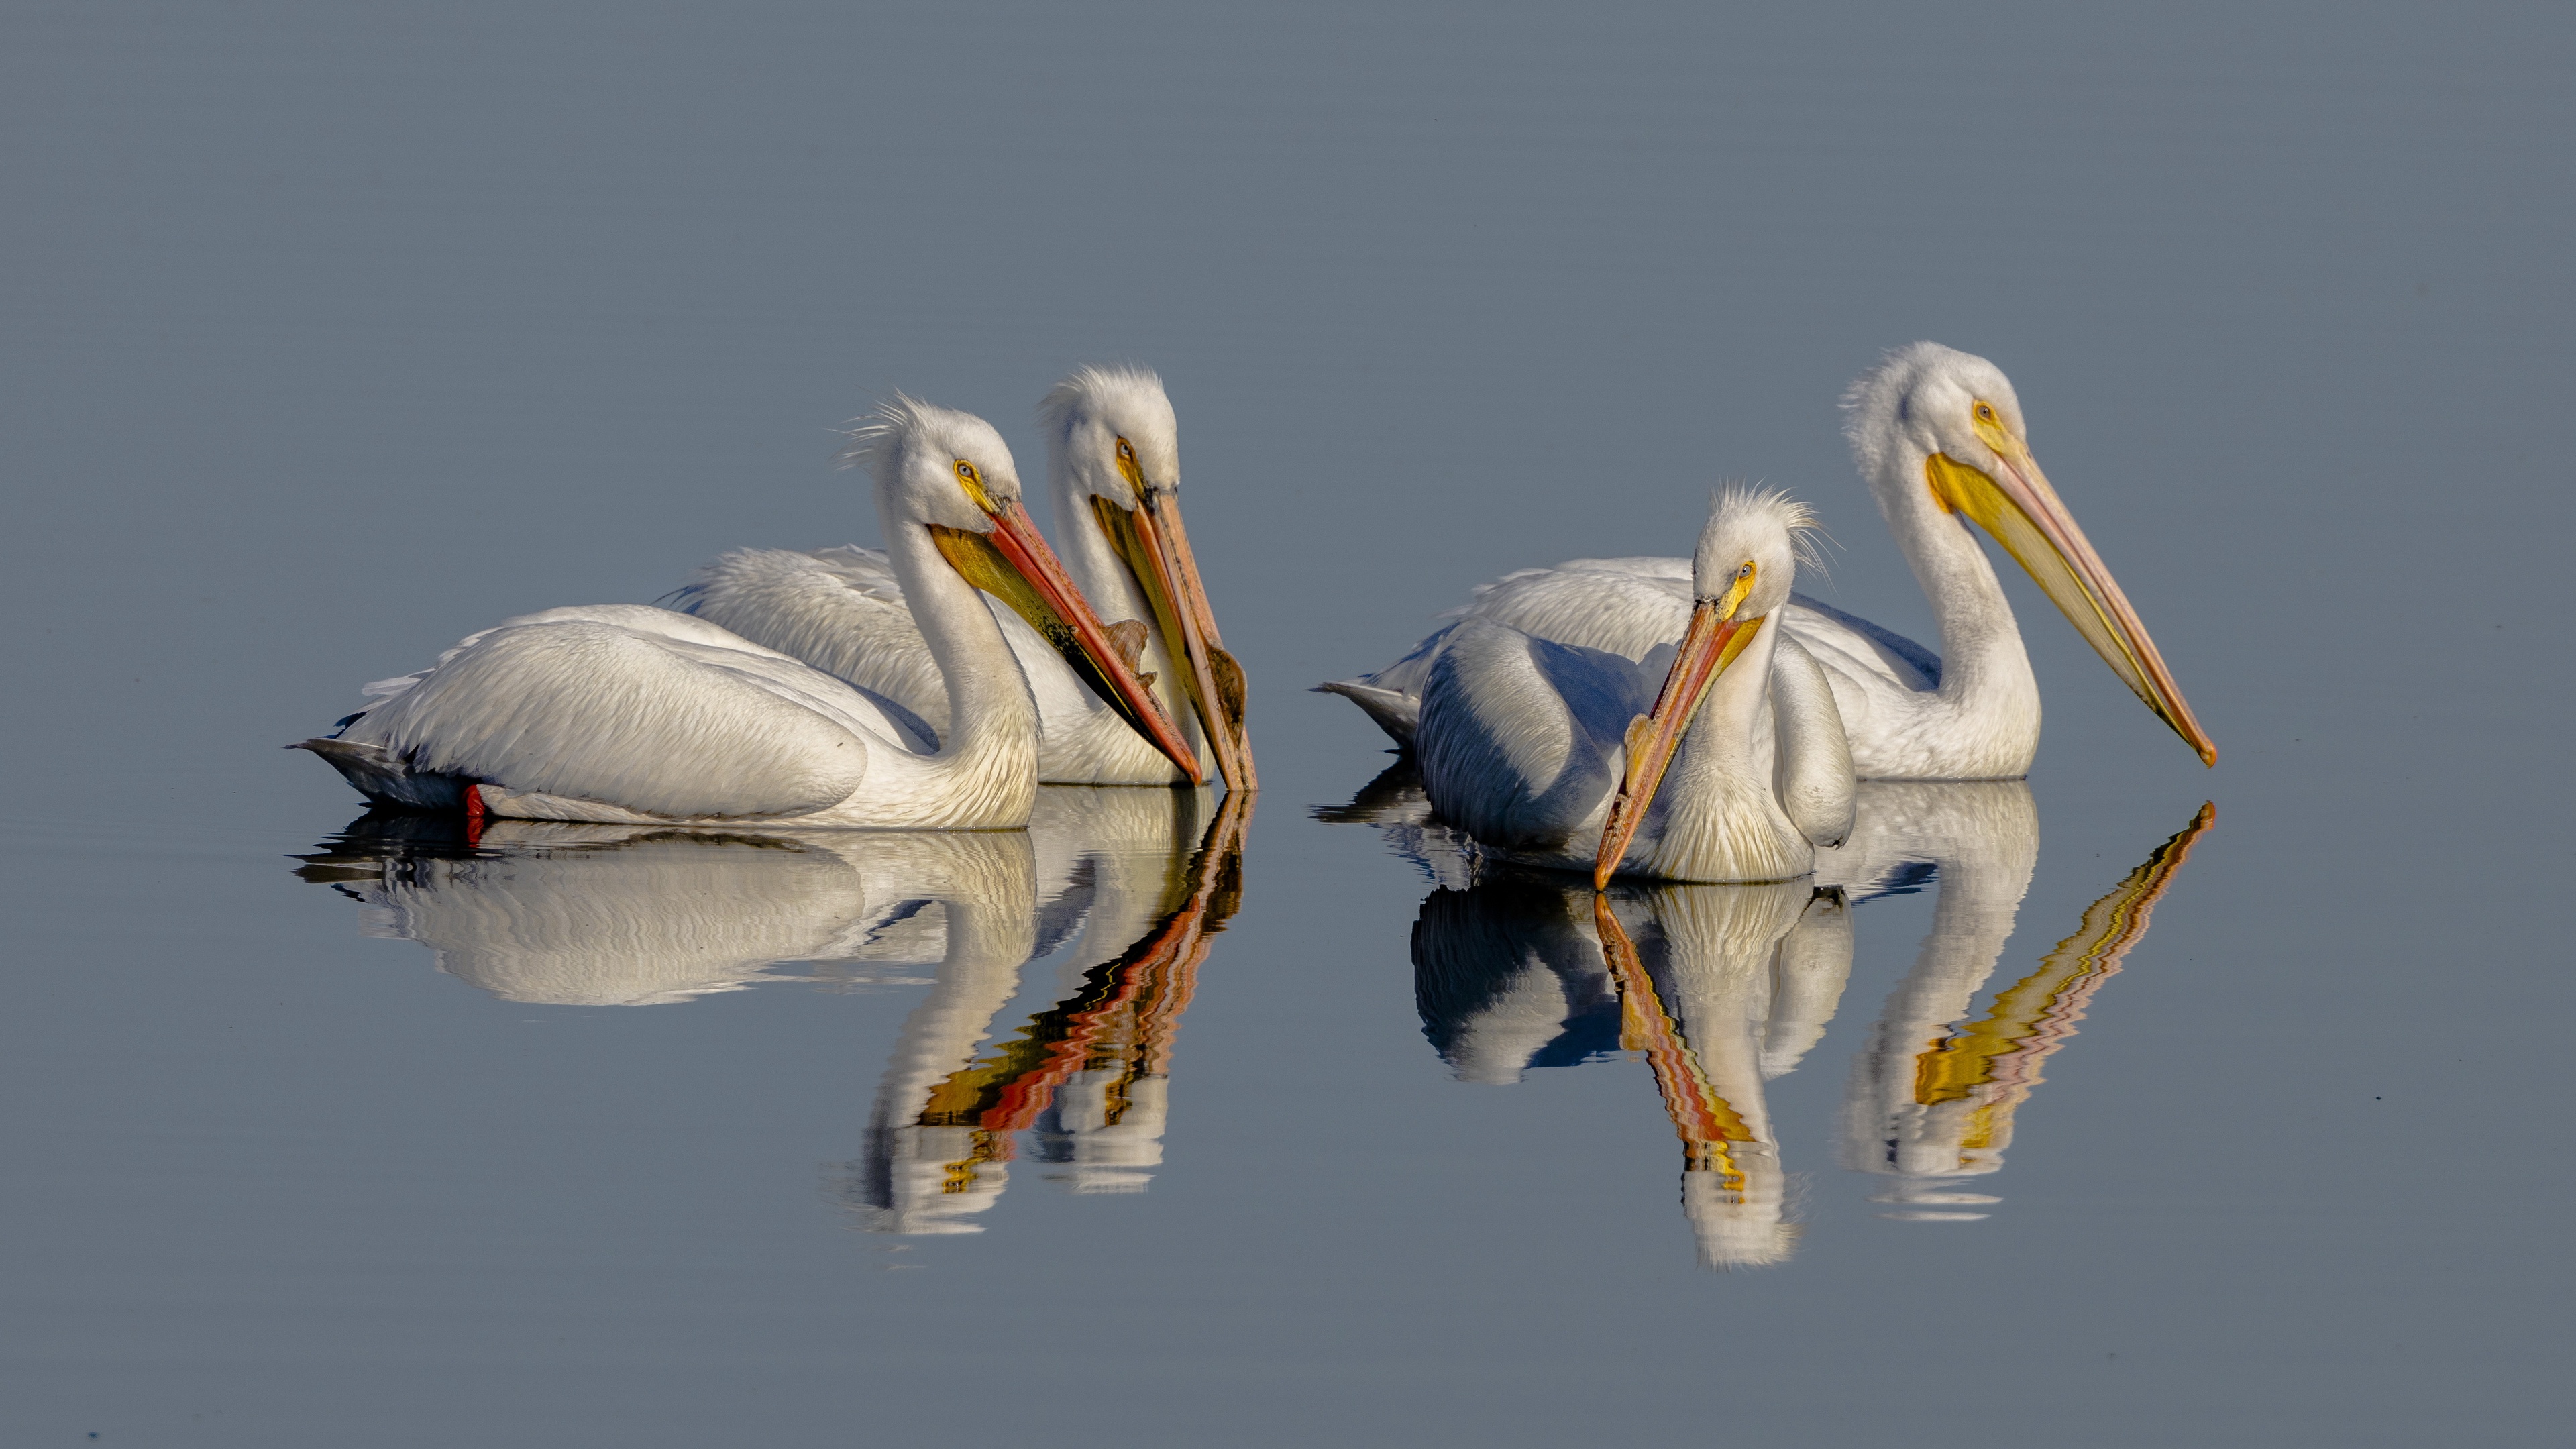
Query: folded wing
column 636, row 707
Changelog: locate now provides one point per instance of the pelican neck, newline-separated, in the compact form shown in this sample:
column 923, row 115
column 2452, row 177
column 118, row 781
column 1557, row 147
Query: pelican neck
column 1982, row 658
column 990, row 713
column 1721, row 819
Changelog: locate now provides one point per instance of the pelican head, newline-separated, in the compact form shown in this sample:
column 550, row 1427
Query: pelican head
column 1742, row 571
column 1957, row 414
column 1110, row 432
column 950, row 473
column 1113, row 429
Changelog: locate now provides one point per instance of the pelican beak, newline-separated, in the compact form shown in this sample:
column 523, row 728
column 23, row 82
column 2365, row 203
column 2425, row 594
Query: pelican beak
column 1014, row 564
column 1712, row 642
column 1156, row 548
column 2026, row 516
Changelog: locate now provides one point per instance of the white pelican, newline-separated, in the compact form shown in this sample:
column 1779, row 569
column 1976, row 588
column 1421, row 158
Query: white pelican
column 625, row 714
column 1939, row 436
column 1550, row 753
column 1113, row 468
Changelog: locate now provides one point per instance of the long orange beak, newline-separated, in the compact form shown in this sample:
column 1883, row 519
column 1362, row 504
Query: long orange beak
column 1712, row 642
column 1014, row 564
column 1156, row 548
column 2028, row 518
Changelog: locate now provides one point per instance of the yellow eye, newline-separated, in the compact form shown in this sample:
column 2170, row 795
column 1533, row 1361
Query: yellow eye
column 1990, row 429
column 1744, row 570
column 966, row 472
column 1128, row 467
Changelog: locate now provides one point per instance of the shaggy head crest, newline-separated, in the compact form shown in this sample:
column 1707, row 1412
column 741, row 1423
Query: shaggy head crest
column 1751, row 501
column 877, row 437
column 1101, row 387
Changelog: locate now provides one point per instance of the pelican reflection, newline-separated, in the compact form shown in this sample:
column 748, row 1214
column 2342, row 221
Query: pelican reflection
column 625, row 915
column 1932, row 1095
column 1123, row 887
column 1090, row 1076
column 1723, row 988
column 1719, row 987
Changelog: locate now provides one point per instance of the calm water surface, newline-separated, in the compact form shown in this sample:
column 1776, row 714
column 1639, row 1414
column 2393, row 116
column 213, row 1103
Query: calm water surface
column 2136, row 1105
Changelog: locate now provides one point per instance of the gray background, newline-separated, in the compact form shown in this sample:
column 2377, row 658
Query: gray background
column 328, row 335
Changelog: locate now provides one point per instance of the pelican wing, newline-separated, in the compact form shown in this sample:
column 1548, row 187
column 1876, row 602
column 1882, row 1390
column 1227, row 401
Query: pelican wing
column 1628, row 606
column 1811, row 763
column 1623, row 606
column 840, row 610
column 1521, row 734
column 636, row 707
column 1858, row 650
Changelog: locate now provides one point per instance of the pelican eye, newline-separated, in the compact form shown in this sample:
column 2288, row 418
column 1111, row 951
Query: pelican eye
column 1739, row 587
column 1990, row 429
column 1129, row 468
column 971, row 479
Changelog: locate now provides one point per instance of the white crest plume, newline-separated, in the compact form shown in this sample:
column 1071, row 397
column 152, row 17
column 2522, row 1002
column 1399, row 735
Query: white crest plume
column 872, row 437
column 1101, row 383
column 1807, row 535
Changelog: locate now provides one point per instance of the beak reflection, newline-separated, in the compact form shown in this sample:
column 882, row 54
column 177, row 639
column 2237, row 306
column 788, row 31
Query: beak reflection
column 1089, row 1078
column 1933, row 1093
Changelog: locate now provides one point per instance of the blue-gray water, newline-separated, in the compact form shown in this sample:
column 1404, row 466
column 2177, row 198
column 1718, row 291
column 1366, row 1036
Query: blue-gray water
column 328, row 335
